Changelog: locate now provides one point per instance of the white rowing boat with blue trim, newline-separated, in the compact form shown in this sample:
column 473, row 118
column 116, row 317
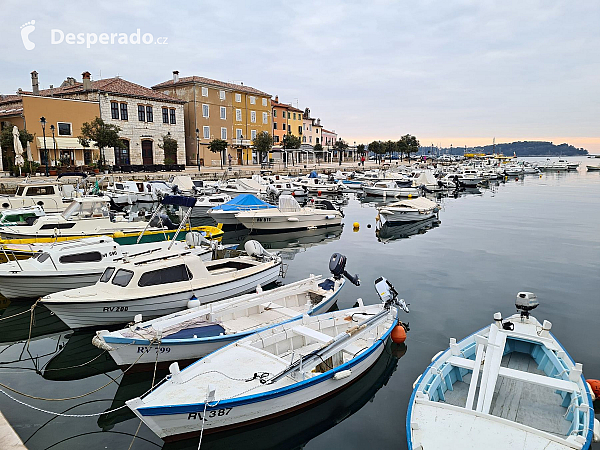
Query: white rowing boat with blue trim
column 202, row 329
column 508, row 386
column 271, row 373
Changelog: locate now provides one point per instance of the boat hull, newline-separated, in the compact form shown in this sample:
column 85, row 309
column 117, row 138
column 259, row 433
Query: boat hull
column 235, row 413
column 142, row 351
column 290, row 221
column 37, row 284
column 83, row 314
column 388, row 215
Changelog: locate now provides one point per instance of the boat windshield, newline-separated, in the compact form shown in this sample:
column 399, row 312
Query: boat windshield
column 84, row 210
column 122, row 277
column 20, row 190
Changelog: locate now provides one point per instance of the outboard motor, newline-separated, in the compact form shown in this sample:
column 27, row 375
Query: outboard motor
column 337, row 266
column 195, row 239
column 525, row 302
column 272, row 191
column 254, row 249
column 388, row 294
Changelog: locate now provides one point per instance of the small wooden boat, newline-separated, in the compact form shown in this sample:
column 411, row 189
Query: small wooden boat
column 509, row 385
column 202, row 329
column 284, row 368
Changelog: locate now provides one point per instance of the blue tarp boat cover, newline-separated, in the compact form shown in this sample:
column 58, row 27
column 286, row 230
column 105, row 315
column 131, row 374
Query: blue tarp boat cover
column 313, row 174
column 243, row 202
column 178, row 200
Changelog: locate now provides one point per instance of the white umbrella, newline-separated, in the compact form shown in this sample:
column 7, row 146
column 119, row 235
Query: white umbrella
column 29, row 154
column 19, row 161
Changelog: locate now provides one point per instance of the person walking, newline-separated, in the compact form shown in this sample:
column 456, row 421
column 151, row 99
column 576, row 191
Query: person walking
column 229, row 158
column 362, row 160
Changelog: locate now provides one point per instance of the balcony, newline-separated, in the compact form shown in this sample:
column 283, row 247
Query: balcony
column 242, row 142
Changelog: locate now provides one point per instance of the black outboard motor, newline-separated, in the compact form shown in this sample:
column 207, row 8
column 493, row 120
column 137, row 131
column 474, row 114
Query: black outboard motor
column 337, row 266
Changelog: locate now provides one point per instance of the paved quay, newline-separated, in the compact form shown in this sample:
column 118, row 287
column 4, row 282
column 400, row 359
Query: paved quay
column 9, row 440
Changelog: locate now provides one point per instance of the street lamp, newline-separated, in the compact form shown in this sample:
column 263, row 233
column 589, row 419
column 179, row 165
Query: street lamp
column 54, row 144
column 198, row 148
column 43, row 122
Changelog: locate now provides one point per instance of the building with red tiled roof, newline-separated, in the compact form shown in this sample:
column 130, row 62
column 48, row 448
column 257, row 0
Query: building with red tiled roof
column 218, row 110
column 144, row 116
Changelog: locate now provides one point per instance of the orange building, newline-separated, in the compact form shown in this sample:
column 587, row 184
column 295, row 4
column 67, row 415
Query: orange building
column 286, row 120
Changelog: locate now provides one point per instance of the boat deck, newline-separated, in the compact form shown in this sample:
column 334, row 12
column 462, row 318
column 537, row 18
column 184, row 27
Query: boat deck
column 524, row 403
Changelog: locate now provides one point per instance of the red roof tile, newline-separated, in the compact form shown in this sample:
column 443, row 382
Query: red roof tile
column 209, row 81
column 285, row 106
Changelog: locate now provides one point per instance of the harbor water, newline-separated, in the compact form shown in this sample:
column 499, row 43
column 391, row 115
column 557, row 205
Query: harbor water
column 538, row 233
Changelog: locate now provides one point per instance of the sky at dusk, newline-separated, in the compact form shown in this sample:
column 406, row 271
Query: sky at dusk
column 449, row 72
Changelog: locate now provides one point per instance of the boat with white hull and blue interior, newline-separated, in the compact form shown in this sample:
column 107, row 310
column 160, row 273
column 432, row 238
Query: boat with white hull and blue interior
column 202, row 329
column 271, row 373
column 510, row 385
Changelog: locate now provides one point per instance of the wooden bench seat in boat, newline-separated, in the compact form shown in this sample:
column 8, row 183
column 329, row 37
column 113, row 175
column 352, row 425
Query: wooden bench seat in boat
column 323, row 338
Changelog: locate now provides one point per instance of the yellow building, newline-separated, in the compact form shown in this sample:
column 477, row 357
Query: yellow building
column 215, row 109
column 63, row 121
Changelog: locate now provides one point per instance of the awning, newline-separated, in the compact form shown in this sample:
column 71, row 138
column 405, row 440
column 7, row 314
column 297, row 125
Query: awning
column 63, row 143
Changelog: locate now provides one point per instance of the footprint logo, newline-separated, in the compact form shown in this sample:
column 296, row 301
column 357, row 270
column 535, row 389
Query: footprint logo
column 26, row 30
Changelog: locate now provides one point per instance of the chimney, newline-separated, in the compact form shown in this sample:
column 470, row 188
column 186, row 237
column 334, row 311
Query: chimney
column 87, row 83
column 175, row 76
column 277, row 99
column 35, row 86
column 318, row 122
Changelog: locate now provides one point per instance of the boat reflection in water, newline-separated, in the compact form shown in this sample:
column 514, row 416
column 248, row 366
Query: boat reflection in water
column 287, row 243
column 18, row 324
column 392, row 231
column 295, row 430
column 79, row 359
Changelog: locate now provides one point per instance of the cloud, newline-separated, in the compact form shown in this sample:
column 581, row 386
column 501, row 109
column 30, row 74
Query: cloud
column 383, row 68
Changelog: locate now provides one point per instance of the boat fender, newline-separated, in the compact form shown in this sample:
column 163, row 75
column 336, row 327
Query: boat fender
column 436, row 355
column 293, row 219
column 330, row 216
column 594, row 386
column 193, row 302
column 342, row 374
column 399, row 334
column 98, row 342
column 596, row 437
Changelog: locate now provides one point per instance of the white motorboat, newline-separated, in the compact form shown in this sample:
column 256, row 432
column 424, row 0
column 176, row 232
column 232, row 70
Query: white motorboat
column 243, row 186
column 161, row 283
column 186, row 186
column 206, row 202
column 85, row 216
column 289, row 215
column 409, row 210
column 270, row 373
column 469, row 178
column 226, row 213
column 315, row 184
column 127, row 192
column 513, row 170
column 202, row 329
column 591, row 168
column 509, row 385
column 550, row 165
column 73, row 264
column 391, row 188
column 53, row 196
column 449, row 181
column 20, row 216
column 277, row 188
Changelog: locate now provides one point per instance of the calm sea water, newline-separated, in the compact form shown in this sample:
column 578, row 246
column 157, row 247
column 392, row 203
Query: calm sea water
column 539, row 234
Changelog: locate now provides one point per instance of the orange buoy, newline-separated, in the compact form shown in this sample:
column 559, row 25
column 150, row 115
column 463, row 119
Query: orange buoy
column 398, row 334
column 319, row 193
column 594, row 387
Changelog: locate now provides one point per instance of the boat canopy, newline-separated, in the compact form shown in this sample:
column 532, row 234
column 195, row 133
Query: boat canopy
column 419, row 203
column 179, row 200
column 87, row 207
column 243, row 202
column 313, row 174
column 288, row 203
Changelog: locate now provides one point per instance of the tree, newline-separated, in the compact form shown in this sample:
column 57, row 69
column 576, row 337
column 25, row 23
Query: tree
column 377, row 148
column 389, row 147
column 169, row 146
column 103, row 134
column 340, row 145
column 263, row 143
column 218, row 146
column 408, row 144
column 360, row 148
column 290, row 142
column 7, row 143
column 318, row 148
